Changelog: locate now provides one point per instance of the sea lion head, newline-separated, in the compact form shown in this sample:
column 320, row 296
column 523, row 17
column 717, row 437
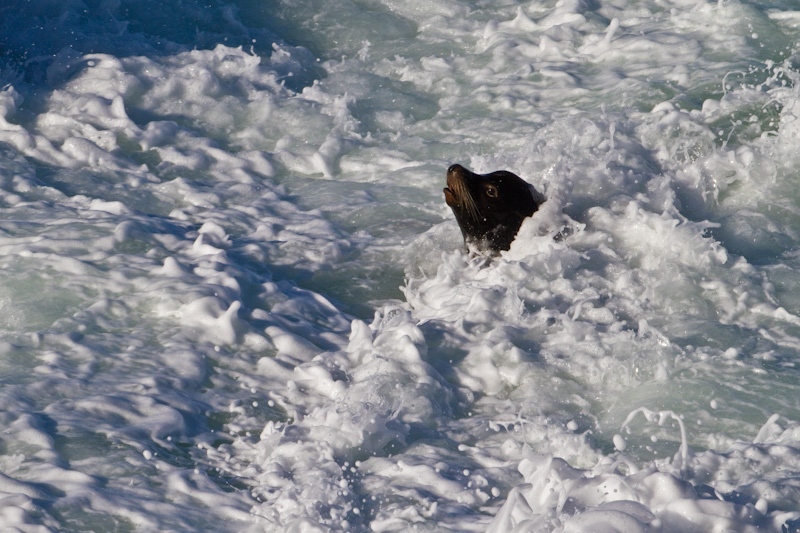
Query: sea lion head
column 489, row 208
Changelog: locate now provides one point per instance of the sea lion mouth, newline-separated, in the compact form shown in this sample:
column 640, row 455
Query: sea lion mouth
column 449, row 197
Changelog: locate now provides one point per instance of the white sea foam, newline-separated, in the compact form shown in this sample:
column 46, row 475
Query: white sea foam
column 233, row 297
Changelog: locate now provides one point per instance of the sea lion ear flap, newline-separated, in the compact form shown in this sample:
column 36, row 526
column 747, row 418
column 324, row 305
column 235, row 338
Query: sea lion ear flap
column 538, row 198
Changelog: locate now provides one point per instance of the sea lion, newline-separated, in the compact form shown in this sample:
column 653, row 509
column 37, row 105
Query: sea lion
column 489, row 208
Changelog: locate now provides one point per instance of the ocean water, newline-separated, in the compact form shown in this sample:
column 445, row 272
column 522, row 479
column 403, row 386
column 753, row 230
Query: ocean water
column 232, row 297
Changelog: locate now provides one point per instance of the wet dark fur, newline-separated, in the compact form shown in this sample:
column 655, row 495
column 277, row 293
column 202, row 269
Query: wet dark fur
column 489, row 208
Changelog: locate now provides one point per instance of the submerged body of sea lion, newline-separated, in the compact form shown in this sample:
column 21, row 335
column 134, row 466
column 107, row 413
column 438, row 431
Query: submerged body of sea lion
column 489, row 208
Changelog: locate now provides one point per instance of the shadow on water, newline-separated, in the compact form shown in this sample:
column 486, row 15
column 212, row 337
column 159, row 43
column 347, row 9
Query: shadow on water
column 35, row 33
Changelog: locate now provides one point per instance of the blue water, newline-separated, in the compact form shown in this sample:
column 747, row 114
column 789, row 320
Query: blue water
column 232, row 297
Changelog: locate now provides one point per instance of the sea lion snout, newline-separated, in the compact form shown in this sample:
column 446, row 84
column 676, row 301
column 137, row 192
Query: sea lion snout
column 454, row 193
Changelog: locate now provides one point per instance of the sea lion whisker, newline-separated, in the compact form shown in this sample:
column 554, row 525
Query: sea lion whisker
column 466, row 200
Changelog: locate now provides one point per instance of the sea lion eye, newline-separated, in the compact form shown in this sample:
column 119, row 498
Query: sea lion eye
column 491, row 191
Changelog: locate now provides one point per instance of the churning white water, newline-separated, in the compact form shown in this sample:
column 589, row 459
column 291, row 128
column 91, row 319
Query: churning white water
column 232, row 297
